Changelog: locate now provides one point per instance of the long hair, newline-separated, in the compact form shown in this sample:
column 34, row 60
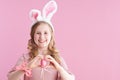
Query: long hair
column 33, row 48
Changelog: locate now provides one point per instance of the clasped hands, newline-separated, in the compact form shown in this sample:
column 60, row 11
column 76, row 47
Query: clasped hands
column 42, row 61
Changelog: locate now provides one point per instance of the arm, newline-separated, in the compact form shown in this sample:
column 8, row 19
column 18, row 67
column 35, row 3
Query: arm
column 65, row 75
column 16, row 74
column 23, row 67
column 62, row 69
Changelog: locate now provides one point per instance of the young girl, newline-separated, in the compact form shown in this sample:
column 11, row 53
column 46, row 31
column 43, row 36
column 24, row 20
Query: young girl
column 43, row 61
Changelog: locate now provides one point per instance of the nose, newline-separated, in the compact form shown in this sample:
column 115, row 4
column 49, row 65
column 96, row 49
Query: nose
column 42, row 36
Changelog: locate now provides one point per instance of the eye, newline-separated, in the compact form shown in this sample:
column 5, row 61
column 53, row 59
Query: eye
column 45, row 33
column 38, row 33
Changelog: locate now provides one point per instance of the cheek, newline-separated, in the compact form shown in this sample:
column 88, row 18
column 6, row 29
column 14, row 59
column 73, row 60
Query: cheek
column 49, row 40
column 35, row 37
column 49, row 37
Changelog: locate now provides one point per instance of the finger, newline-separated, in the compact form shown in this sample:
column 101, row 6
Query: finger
column 49, row 58
column 52, row 60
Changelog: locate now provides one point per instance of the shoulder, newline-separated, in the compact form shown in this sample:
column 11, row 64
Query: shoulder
column 22, row 58
column 63, row 63
column 25, row 57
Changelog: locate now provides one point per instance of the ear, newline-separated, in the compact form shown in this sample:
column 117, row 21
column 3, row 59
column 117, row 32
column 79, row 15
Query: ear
column 35, row 14
column 49, row 9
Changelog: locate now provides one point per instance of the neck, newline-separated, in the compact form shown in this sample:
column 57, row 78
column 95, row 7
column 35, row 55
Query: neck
column 42, row 50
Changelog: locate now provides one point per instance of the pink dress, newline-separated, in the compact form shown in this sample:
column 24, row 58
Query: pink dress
column 38, row 73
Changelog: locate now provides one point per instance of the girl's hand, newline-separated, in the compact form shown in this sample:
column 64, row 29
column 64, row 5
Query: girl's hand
column 53, row 61
column 35, row 61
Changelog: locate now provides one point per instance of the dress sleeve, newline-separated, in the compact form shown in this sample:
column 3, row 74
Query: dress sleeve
column 64, row 65
column 20, row 61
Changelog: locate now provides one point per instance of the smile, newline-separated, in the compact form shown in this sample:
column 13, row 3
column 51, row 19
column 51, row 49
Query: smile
column 42, row 41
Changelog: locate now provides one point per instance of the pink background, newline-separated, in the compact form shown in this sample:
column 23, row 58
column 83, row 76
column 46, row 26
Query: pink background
column 87, row 33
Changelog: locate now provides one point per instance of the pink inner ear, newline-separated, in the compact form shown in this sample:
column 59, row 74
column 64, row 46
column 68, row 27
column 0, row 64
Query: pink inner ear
column 50, row 8
column 34, row 15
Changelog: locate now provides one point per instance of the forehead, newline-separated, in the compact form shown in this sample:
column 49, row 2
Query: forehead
column 43, row 27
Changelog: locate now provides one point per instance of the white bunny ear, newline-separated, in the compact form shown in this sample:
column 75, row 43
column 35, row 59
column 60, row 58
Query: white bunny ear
column 49, row 9
column 35, row 15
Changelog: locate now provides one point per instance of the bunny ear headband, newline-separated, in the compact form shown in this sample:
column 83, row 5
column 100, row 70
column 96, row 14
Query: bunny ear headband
column 49, row 9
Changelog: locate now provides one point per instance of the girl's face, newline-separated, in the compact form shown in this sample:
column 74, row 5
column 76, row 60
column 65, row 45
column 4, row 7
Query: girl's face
column 42, row 36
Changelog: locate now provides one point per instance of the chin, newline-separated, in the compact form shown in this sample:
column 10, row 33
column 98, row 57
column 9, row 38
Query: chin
column 43, row 46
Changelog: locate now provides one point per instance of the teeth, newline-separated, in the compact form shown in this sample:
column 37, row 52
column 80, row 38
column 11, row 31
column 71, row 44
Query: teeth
column 41, row 41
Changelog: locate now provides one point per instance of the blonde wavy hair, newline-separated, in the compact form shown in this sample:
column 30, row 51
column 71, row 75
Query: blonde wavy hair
column 33, row 48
